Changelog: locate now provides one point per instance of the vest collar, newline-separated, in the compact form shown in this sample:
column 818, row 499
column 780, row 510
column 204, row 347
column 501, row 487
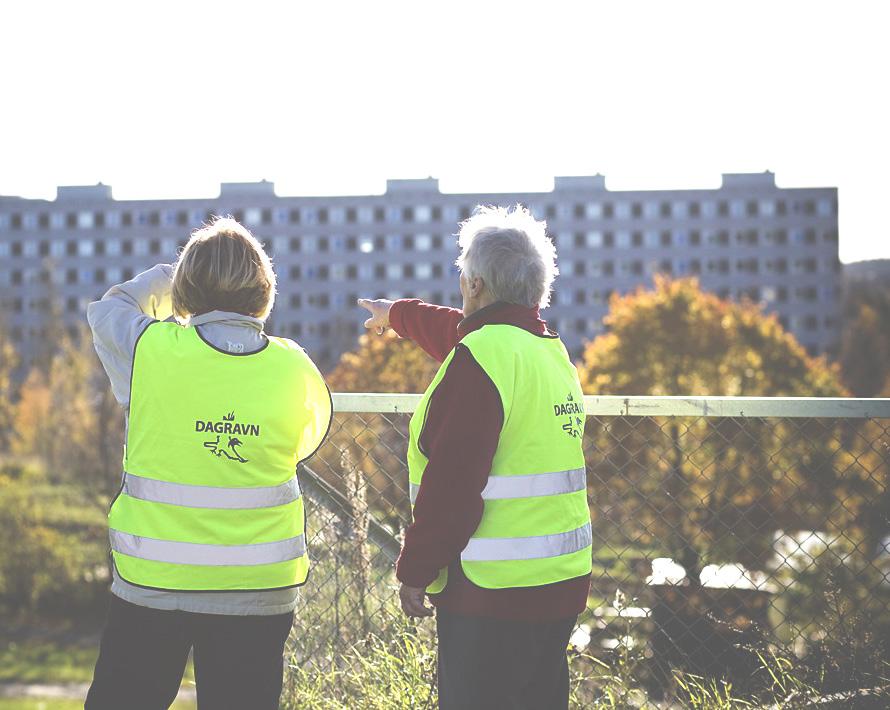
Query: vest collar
column 504, row 313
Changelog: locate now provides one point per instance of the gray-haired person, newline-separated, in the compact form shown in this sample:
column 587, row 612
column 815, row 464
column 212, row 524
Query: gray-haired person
column 501, row 536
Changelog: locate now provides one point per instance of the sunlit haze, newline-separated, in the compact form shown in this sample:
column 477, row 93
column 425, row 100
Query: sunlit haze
column 165, row 100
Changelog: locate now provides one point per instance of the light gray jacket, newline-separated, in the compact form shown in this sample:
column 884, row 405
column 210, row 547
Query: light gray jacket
column 117, row 321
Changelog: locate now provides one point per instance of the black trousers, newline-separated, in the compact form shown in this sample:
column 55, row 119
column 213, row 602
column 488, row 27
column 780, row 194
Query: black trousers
column 502, row 665
column 238, row 659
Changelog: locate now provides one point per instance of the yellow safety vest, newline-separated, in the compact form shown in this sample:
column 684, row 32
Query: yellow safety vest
column 210, row 498
column 535, row 526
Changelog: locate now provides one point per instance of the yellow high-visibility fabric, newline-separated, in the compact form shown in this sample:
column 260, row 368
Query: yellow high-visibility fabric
column 535, row 526
column 213, row 442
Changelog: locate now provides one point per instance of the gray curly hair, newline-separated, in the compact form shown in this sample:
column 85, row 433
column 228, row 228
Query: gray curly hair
column 510, row 250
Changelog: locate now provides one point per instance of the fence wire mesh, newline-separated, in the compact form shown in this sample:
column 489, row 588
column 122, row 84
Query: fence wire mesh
column 714, row 536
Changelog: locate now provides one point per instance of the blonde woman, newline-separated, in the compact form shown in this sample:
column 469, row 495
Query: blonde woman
column 207, row 530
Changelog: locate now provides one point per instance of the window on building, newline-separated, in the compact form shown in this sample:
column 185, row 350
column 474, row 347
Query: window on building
column 666, row 239
column 437, row 271
column 723, row 208
column 748, row 266
column 694, row 209
column 637, row 239
column 720, row 238
column 594, row 210
column 719, row 266
column 608, row 210
column 665, row 210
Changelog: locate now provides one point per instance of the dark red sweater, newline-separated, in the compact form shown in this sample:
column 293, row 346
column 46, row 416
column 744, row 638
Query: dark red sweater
column 461, row 436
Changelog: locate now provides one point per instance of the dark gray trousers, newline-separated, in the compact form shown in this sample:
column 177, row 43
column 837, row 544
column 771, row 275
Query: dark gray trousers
column 490, row 664
column 142, row 655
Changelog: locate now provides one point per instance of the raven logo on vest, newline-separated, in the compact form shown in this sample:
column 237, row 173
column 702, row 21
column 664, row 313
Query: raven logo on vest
column 574, row 413
column 232, row 429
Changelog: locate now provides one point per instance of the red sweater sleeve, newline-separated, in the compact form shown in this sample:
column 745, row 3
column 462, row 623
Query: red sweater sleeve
column 460, row 438
column 433, row 328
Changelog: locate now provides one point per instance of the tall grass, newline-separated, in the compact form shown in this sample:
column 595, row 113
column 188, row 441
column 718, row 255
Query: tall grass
column 375, row 674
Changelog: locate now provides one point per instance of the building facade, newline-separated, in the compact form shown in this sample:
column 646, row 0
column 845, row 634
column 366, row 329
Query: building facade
column 749, row 239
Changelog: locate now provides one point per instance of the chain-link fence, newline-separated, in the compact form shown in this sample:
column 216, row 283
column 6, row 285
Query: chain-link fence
column 721, row 526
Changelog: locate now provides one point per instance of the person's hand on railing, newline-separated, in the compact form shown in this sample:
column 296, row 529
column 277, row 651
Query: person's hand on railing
column 379, row 309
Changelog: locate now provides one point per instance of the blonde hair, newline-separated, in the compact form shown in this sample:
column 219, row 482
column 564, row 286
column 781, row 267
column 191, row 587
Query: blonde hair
column 512, row 253
column 223, row 267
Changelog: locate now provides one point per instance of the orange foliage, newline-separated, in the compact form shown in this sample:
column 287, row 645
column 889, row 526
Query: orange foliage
column 680, row 340
column 384, row 363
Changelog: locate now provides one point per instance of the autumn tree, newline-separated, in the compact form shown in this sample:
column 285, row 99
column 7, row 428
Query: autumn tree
column 384, row 363
column 9, row 361
column 711, row 489
column 67, row 418
column 865, row 339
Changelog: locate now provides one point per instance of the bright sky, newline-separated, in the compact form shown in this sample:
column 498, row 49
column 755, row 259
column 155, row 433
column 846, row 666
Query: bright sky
column 168, row 99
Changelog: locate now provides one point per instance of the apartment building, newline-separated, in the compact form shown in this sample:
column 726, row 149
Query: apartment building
column 748, row 239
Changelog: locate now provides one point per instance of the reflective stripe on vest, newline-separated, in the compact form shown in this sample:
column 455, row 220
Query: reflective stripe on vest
column 192, row 553
column 156, row 491
column 529, row 485
column 492, row 549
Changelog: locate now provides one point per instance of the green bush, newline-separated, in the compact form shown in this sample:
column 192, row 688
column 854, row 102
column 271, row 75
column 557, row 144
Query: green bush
column 52, row 545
